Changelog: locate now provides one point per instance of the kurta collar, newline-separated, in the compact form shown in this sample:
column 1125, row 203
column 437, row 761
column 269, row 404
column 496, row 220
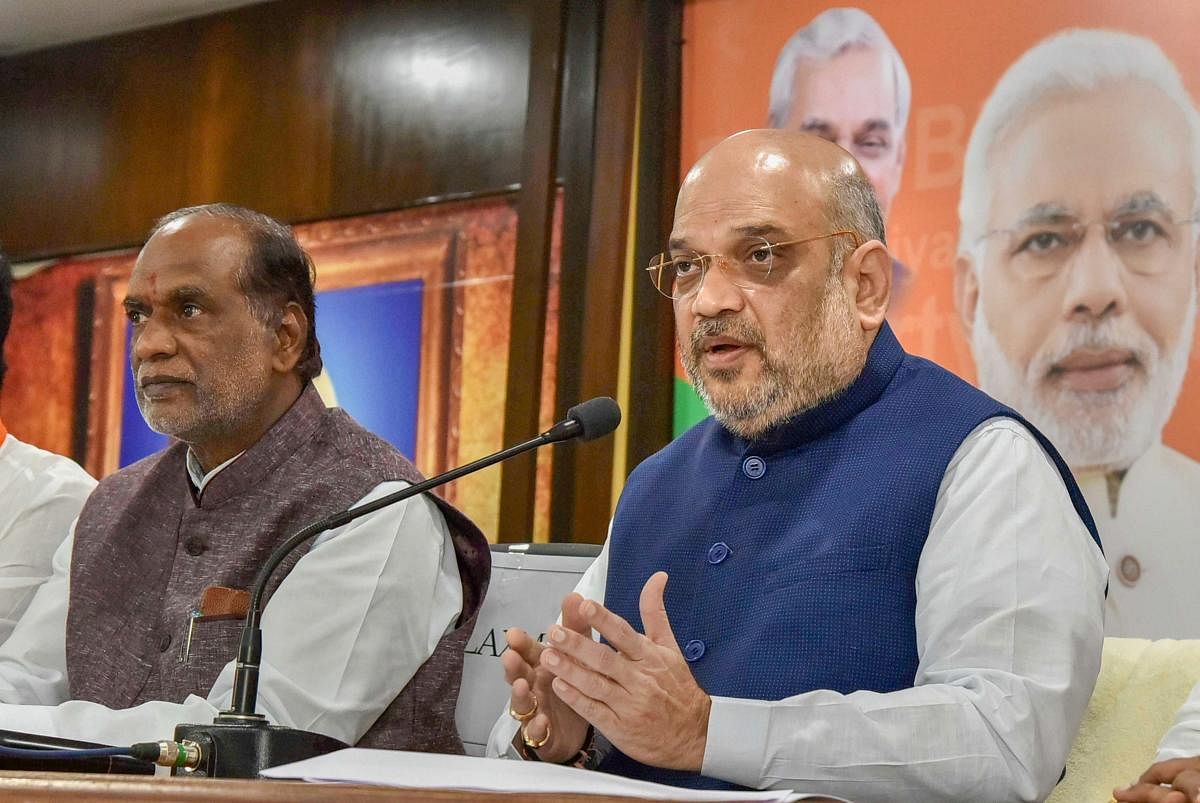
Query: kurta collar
column 883, row 360
column 199, row 477
column 246, row 472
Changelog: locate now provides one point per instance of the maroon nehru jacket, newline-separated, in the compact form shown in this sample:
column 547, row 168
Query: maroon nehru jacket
column 146, row 549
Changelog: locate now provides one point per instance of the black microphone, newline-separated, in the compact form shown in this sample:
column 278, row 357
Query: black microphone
column 243, row 738
column 586, row 421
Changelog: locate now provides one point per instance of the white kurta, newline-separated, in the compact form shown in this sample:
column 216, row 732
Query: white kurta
column 40, row 495
column 1152, row 544
column 1183, row 739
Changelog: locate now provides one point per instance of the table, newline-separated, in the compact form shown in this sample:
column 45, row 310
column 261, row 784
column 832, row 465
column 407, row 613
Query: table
column 37, row 787
column 55, row 786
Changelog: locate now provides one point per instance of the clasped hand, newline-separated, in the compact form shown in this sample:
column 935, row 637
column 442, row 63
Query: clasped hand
column 637, row 690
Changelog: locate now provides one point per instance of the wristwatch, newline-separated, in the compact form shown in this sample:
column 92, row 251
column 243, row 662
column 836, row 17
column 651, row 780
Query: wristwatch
column 589, row 757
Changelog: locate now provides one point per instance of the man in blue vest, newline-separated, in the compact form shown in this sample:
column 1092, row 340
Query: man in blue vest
column 883, row 584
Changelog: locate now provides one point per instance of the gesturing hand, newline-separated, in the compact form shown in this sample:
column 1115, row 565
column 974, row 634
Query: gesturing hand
column 532, row 691
column 640, row 695
column 1173, row 781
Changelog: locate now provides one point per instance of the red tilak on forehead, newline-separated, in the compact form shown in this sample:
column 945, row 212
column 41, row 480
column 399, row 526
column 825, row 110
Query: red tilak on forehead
column 153, row 280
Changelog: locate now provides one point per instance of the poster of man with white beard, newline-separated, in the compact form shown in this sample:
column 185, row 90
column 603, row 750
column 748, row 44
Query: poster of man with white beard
column 1040, row 174
column 1076, row 279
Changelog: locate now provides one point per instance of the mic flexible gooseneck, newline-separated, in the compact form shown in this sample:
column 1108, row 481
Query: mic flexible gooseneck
column 586, row 421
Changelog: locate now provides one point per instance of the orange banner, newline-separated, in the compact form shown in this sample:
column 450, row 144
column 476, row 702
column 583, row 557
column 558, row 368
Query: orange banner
column 1038, row 164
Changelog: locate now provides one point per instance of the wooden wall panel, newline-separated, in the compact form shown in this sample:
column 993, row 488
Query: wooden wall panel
column 303, row 109
column 311, row 110
column 483, row 297
column 604, row 279
column 652, row 359
column 429, row 99
column 531, row 274
column 38, row 404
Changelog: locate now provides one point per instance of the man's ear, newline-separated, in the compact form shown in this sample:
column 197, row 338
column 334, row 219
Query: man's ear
column 966, row 292
column 291, row 335
column 870, row 270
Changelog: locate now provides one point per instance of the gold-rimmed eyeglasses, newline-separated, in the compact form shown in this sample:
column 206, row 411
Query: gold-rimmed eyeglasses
column 1146, row 244
column 679, row 274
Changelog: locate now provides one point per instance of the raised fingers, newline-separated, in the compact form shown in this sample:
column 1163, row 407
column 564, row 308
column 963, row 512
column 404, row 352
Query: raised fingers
column 589, row 681
column 515, row 667
column 522, row 699
column 654, row 612
column 523, row 645
column 568, row 647
column 572, row 619
column 616, row 630
column 594, row 711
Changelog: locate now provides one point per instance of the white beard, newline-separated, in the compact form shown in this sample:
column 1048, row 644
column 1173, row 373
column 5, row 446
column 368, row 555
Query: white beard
column 1105, row 430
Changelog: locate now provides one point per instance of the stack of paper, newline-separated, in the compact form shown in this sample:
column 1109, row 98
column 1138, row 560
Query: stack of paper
column 434, row 771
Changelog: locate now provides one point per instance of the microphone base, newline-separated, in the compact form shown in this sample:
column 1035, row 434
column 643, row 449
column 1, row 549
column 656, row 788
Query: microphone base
column 243, row 749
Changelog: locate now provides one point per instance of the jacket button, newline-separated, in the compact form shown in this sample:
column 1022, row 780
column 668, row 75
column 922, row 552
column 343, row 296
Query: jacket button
column 164, row 642
column 195, row 546
column 693, row 650
column 718, row 552
column 1130, row 571
column 754, row 467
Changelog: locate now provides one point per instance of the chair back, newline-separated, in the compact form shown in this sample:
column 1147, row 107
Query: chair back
column 1141, row 686
column 528, row 584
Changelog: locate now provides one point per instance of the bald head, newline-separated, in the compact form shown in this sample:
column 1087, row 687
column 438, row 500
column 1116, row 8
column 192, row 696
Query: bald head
column 798, row 173
column 772, row 152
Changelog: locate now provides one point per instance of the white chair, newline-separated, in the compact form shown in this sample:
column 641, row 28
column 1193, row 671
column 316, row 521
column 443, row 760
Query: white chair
column 528, row 584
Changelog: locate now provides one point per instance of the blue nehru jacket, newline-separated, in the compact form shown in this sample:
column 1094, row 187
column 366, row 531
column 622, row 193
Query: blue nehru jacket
column 793, row 557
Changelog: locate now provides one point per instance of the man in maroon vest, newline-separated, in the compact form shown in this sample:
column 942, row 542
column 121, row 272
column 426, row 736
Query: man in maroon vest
column 135, row 630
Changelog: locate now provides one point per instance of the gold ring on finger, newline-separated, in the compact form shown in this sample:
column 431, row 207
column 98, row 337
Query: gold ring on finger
column 528, row 715
column 535, row 743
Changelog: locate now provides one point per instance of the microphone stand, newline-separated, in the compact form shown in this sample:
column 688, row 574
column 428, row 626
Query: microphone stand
column 240, row 742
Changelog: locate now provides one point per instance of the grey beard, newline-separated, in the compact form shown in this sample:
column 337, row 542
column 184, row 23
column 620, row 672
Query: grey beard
column 817, row 360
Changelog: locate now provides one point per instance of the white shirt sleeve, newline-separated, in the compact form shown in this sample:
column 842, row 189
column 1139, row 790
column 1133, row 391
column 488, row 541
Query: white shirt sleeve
column 33, row 661
column 342, row 635
column 40, row 496
column 1009, row 621
column 590, row 586
column 1183, row 739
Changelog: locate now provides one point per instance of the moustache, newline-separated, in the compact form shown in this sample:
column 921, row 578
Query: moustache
column 1104, row 336
column 158, row 375
column 735, row 328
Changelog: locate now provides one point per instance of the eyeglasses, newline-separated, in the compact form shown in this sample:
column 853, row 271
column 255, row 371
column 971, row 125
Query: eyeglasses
column 1145, row 244
column 680, row 274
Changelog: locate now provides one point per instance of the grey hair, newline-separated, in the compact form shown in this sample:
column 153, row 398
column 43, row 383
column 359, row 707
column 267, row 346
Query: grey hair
column 1075, row 60
column 852, row 205
column 829, row 34
column 277, row 271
